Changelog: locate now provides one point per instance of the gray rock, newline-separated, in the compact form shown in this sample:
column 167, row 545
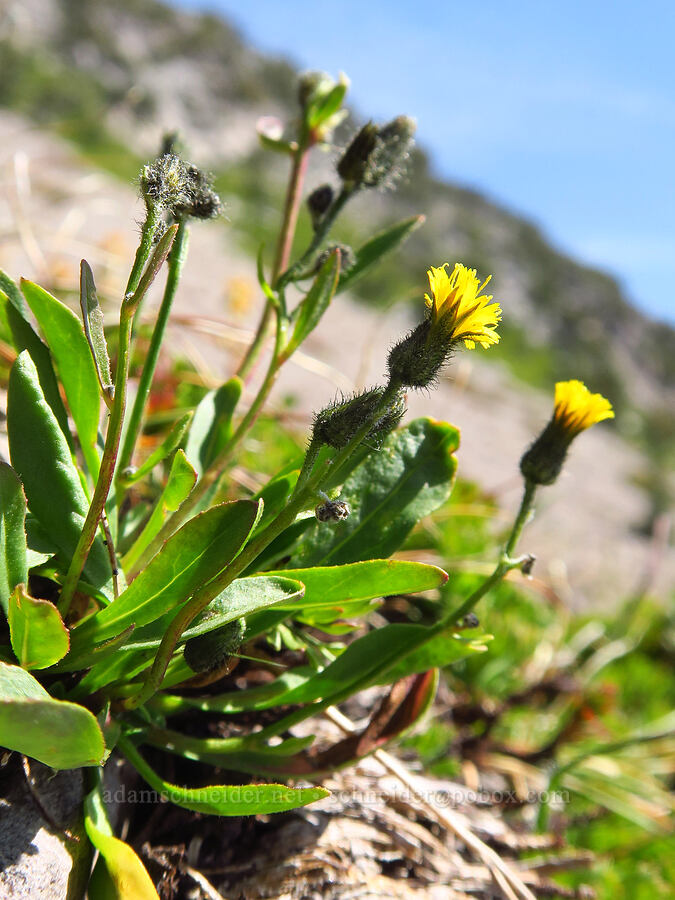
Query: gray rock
column 37, row 861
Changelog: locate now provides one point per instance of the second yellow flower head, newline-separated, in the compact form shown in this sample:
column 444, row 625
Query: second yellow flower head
column 457, row 305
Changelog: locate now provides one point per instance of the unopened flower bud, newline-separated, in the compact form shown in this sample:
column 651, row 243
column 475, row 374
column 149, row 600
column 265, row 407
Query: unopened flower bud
column 319, row 202
column 312, row 85
column 180, row 188
column 337, row 424
column 210, row 651
column 394, row 143
column 353, row 164
column 347, row 257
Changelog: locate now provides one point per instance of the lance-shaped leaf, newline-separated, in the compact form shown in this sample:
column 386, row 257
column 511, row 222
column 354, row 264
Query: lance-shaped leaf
column 92, row 317
column 377, row 247
column 222, row 799
column 191, row 557
column 59, row 734
column 165, row 449
column 68, row 345
column 39, row 637
column 42, row 459
column 13, row 560
column 179, row 483
column 315, row 303
column 24, row 338
column 410, row 477
column 212, row 424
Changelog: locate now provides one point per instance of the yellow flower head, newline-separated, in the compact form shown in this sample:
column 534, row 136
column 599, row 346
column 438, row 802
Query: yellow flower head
column 456, row 303
column 576, row 409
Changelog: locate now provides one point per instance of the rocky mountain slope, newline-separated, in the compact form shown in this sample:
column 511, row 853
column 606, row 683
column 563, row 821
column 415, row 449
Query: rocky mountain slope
column 114, row 77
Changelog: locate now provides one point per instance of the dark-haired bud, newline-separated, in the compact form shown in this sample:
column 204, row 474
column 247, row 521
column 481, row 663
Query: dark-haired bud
column 347, row 257
column 387, row 163
column 337, row 424
column 180, row 188
column 211, row 651
column 353, row 164
column 319, row 202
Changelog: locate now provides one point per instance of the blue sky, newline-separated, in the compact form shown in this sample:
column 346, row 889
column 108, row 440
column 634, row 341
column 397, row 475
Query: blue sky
column 564, row 112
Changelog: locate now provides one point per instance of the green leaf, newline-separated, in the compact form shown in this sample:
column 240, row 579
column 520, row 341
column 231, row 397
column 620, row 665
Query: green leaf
column 327, row 105
column 441, row 650
column 92, row 317
column 25, row 338
column 241, row 598
column 165, row 449
column 39, row 637
column 180, row 482
column 13, row 553
column 59, row 734
column 222, row 799
column 410, row 477
column 314, row 304
column 42, row 459
column 334, row 586
column 194, row 555
column 212, row 424
column 68, row 345
column 377, row 247
column 119, row 874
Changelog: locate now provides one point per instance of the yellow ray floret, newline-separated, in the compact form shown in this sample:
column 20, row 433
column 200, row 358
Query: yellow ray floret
column 576, row 409
column 456, row 303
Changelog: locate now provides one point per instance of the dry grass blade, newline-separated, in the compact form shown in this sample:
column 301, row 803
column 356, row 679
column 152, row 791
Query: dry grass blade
column 509, row 882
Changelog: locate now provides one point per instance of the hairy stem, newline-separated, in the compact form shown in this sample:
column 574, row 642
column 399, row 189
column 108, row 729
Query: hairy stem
column 176, row 261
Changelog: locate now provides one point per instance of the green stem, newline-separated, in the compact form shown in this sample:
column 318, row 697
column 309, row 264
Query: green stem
column 112, row 441
column 107, row 469
column 320, row 236
column 214, row 473
column 145, row 246
column 284, row 246
column 176, row 261
column 506, row 562
column 201, row 599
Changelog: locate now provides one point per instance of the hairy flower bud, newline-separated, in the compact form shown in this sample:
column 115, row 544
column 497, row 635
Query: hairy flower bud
column 353, row 164
column 332, row 511
column 337, row 424
column 210, row 651
column 347, row 257
column 319, row 202
column 180, row 188
column 376, row 156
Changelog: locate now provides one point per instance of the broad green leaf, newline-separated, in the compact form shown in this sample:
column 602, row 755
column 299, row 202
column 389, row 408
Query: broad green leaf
column 59, row 734
column 25, row 338
column 241, row 598
column 13, row 553
column 181, row 480
column 225, row 800
column 77, row 371
column 410, row 477
column 376, row 248
column 314, row 304
column 212, row 424
column 119, row 874
column 96, row 655
column 165, row 449
column 92, row 318
column 274, row 496
column 194, row 555
column 39, row 637
column 333, row 586
column 42, row 459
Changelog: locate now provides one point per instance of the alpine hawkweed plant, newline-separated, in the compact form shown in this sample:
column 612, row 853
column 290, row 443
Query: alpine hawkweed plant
column 128, row 581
